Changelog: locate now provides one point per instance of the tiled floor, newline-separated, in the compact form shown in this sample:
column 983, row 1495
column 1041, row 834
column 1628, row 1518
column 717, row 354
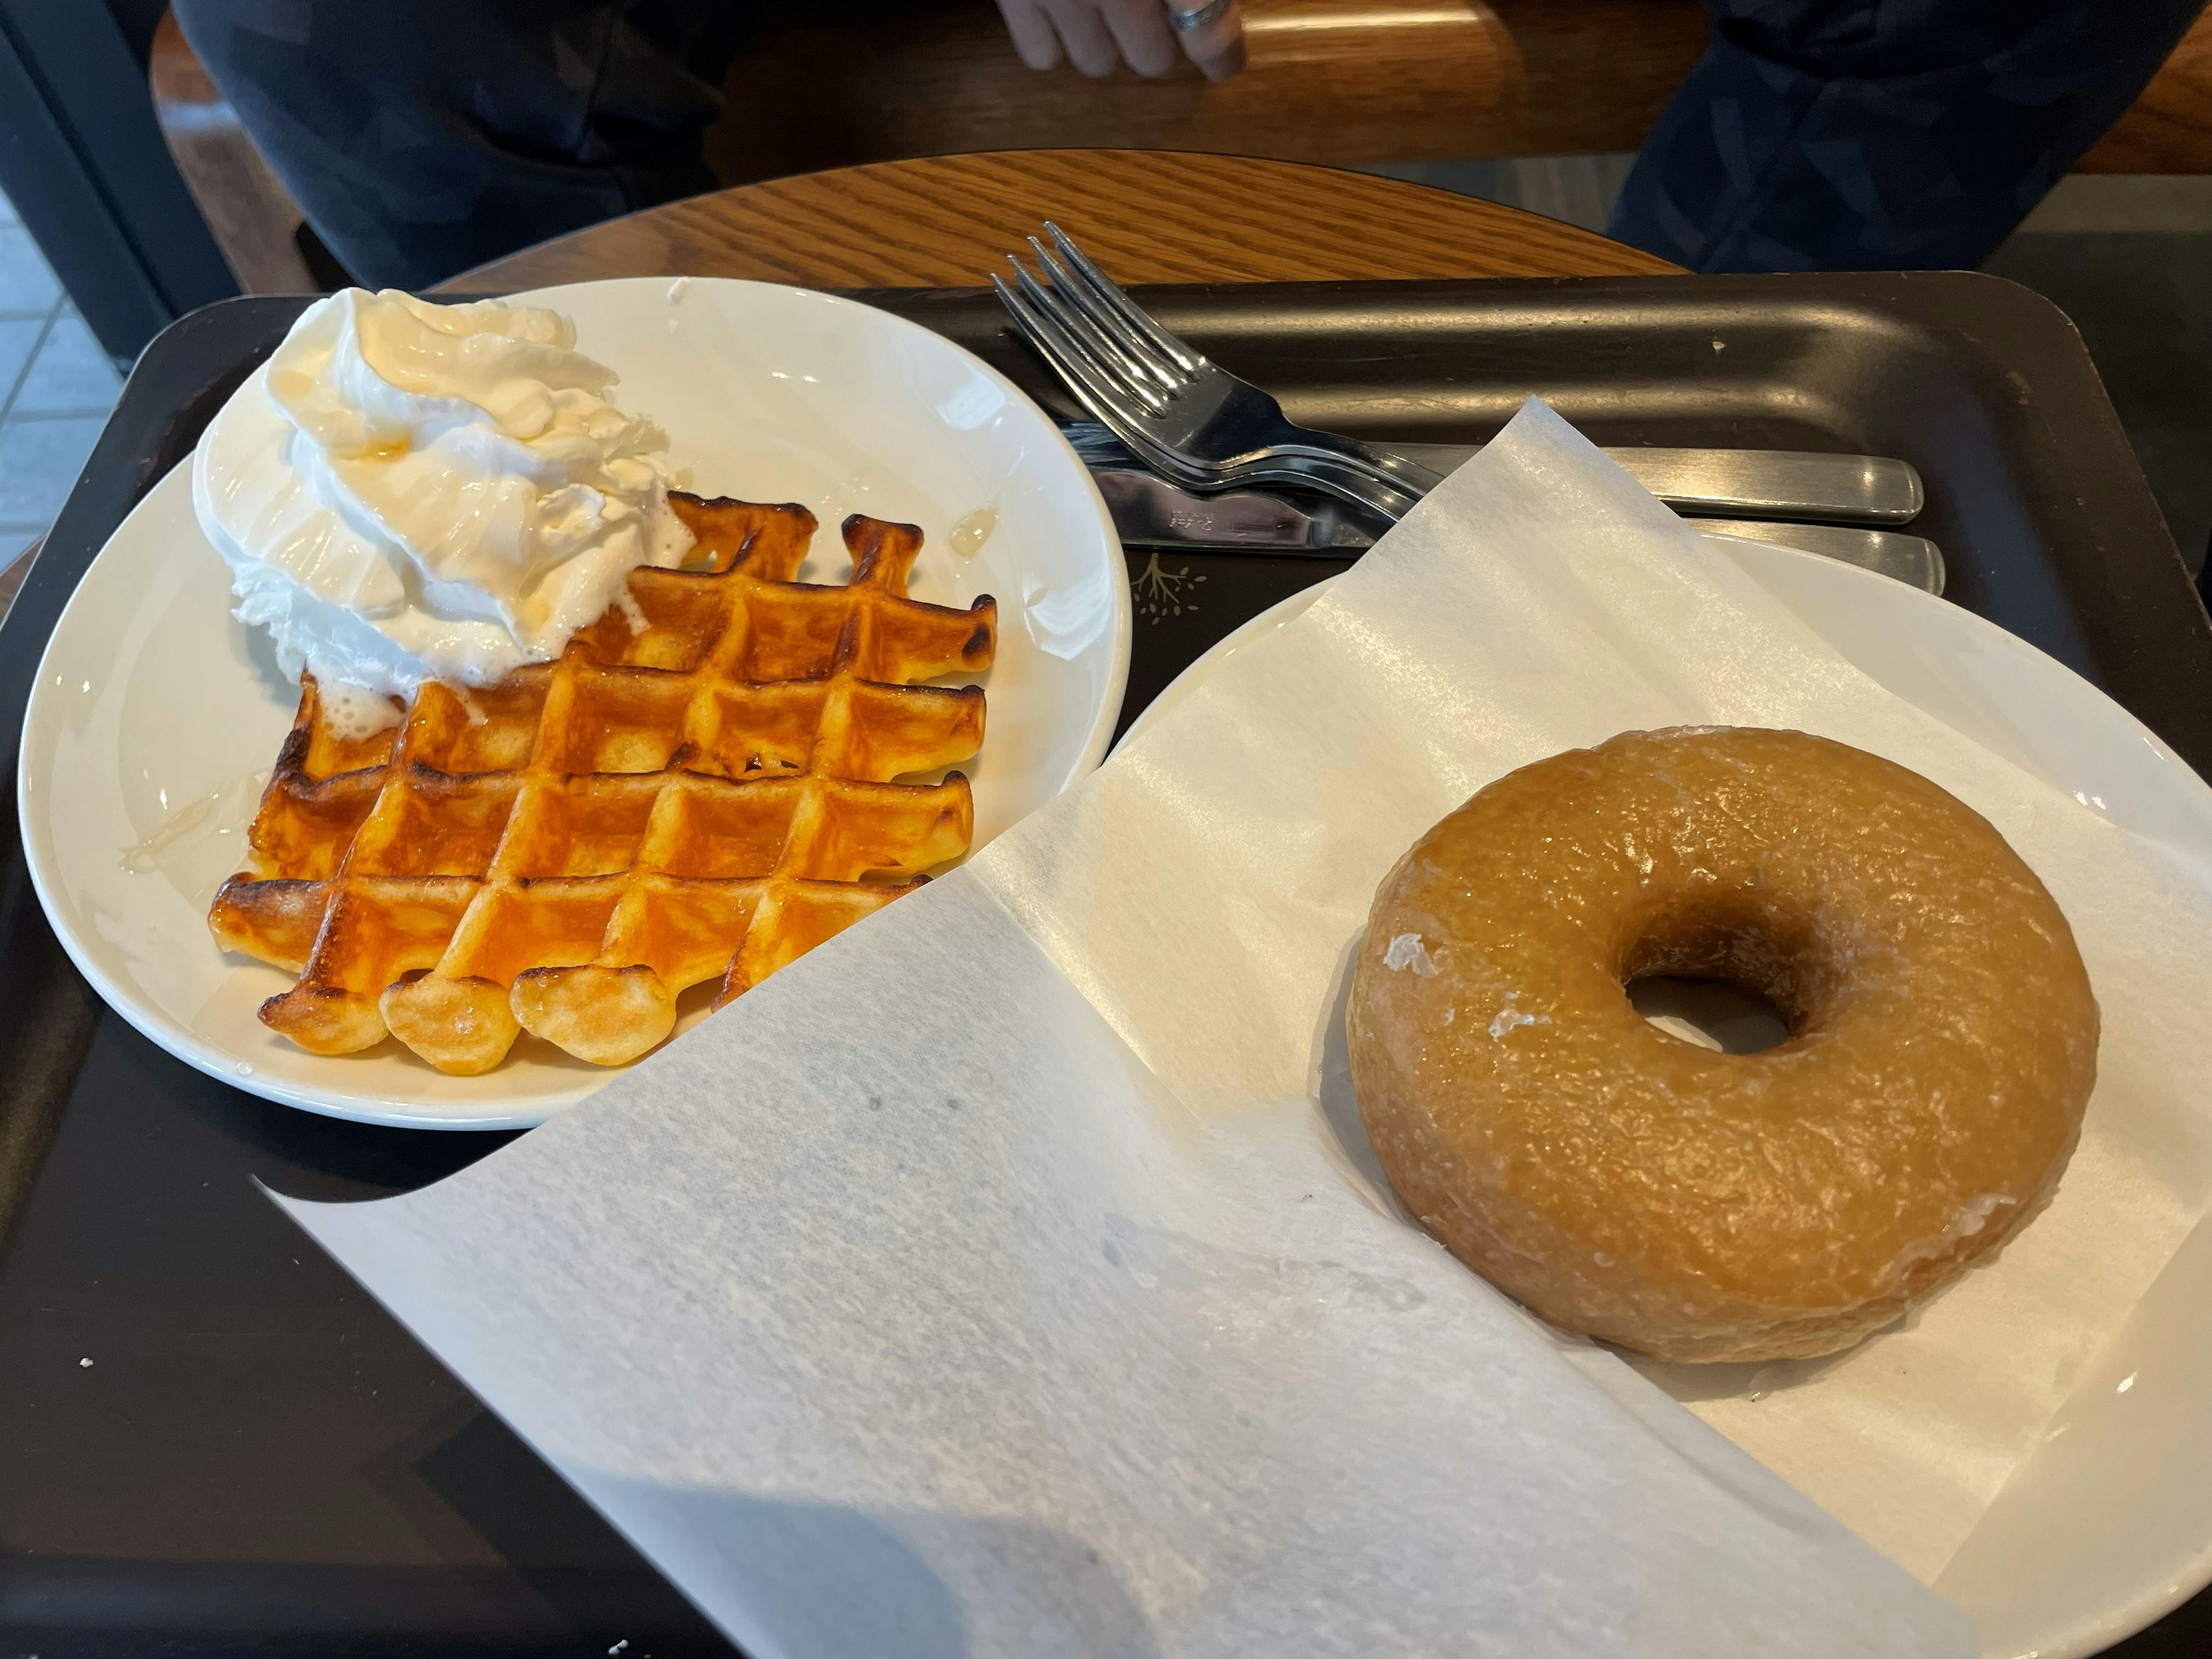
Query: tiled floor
column 56, row 388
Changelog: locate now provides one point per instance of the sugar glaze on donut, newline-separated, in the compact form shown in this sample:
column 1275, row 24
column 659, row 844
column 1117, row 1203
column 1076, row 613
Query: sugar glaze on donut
column 1627, row 1184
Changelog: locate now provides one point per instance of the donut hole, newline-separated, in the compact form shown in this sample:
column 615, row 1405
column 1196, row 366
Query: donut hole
column 1741, row 971
column 1709, row 1012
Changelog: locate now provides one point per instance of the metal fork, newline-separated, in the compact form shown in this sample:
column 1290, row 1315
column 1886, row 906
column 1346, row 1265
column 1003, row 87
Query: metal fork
column 1186, row 417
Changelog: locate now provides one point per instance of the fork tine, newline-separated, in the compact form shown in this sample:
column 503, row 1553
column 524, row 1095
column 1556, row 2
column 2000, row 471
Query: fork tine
column 1068, row 360
column 1076, row 333
column 1102, row 340
column 1144, row 355
column 1102, row 286
column 1096, row 394
column 1104, row 405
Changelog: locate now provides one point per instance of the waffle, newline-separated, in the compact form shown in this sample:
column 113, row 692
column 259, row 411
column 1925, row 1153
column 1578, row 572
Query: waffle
column 699, row 787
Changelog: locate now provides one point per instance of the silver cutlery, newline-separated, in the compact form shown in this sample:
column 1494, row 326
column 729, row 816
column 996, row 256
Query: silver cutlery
column 1751, row 483
column 1728, row 483
column 1196, row 424
column 1193, row 427
column 1186, row 418
column 1150, row 511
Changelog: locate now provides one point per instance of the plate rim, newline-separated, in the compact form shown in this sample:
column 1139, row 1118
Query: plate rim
column 527, row 1111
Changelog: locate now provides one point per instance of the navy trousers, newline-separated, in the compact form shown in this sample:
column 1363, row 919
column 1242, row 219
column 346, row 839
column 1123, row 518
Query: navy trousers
column 1883, row 135
column 423, row 137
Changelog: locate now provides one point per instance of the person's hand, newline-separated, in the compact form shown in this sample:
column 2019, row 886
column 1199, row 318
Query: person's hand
column 1094, row 35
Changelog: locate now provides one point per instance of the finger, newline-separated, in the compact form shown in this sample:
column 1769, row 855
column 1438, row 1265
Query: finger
column 1140, row 29
column 1034, row 39
column 1089, row 44
column 1217, row 48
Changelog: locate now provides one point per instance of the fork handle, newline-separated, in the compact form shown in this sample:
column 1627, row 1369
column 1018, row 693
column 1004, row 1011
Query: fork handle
column 1381, row 501
column 1400, row 472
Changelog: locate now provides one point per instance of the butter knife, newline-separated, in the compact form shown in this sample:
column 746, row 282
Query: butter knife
column 1149, row 511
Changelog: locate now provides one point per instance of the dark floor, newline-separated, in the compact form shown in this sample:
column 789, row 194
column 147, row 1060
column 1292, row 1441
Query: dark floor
column 2144, row 303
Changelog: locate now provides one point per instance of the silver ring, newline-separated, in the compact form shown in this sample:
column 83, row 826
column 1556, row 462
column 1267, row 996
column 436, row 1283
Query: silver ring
column 1183, row 22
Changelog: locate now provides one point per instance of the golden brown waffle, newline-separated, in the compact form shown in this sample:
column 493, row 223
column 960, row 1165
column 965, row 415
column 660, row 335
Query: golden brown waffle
column 700, row 787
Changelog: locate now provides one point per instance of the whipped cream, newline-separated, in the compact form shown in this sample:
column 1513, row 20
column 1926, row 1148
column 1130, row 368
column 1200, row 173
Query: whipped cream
column 408, row 492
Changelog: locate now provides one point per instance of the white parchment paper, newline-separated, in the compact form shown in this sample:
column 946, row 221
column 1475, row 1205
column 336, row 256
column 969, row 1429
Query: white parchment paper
column 1010, row 1275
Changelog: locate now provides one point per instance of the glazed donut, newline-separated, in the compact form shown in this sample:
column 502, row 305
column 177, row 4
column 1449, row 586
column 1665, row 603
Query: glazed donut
column 1627, row 1184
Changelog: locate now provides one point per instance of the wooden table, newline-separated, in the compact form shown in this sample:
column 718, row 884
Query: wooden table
column 1146, row 216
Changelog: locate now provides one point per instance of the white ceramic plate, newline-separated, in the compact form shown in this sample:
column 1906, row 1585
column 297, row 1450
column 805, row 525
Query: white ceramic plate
column 2109, row 1524
column 156, row 715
